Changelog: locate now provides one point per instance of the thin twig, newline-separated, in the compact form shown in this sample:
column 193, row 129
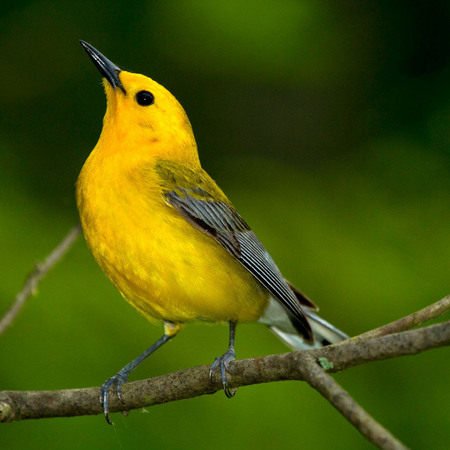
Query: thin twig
column 39, row 272
column 193, row 382
column 410, row 321
column 316, row 377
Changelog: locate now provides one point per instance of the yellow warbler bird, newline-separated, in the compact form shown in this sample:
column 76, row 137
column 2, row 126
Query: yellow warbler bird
column 168, row 237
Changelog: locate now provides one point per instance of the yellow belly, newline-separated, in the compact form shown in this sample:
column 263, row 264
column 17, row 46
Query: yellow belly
column 163, row 266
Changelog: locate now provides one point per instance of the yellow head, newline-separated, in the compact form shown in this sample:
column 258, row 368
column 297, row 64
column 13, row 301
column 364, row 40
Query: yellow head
column 142, row 116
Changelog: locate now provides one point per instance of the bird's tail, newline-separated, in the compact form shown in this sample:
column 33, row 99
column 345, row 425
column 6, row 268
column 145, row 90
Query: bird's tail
column 276, row 318
column 324, row 334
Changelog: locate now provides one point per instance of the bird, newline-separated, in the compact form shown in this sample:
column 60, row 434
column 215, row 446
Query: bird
column 167, row 236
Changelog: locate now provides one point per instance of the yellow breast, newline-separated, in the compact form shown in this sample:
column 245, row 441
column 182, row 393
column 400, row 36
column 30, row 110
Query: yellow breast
column 163, row 266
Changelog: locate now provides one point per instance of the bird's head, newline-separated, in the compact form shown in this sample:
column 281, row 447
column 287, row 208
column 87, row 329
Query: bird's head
column 143, row 116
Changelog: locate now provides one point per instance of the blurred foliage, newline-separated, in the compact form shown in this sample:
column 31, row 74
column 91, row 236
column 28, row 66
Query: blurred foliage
column 327, row 125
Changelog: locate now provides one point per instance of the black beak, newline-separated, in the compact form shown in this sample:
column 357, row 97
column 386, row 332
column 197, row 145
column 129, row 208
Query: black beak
column 107, row 68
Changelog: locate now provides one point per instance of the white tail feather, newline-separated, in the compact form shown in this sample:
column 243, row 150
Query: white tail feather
column 277, row 319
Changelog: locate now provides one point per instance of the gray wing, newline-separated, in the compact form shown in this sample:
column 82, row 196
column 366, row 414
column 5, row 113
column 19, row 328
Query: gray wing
column 223, row 223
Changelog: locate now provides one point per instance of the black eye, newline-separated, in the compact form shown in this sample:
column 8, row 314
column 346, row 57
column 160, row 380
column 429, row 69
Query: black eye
column 145, row 98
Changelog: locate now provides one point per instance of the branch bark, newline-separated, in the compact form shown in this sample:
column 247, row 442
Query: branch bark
column 35, row 277
column 189, row 383
column 412, row 320
column 316, row 377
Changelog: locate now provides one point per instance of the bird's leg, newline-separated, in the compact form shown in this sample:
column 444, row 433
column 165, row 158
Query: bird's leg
column 121, row 377
column 224, row 361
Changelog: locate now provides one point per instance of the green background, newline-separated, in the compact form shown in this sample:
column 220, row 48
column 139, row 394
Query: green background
column 326, row 123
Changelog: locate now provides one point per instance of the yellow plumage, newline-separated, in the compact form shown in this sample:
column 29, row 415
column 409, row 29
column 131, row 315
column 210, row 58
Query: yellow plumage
column 167, row 236
column 161, row 264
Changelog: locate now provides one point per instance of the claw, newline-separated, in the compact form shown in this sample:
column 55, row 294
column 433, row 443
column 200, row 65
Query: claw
column 223, row 362
column 121, row 377
column 118, row 379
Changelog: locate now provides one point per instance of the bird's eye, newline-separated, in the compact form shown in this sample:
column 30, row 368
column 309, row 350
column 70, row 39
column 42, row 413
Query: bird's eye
column 145, row 98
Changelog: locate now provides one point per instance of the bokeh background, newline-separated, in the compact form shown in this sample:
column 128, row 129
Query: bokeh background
column 326, row 123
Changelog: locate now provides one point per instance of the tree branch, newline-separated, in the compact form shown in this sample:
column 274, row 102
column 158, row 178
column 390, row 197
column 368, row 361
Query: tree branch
column 415, row 319
column 316, row 377
column 189, row 383
column 34, row 278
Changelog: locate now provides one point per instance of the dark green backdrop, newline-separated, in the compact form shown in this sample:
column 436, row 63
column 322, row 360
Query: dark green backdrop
column 326, row 123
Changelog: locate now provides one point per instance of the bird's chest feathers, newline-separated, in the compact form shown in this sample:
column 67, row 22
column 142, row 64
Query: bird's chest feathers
column 151, row 253
column 126, row 222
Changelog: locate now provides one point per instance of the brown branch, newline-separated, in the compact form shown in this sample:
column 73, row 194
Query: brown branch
column 39, row 272
column 316, row 377
column 413, row 320
column 189, row 383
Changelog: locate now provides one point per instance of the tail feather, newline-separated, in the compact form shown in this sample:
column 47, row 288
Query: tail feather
column 324, row 332
column 276, row 318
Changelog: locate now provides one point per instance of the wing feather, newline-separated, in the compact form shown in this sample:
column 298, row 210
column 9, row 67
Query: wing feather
column 223, row 223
